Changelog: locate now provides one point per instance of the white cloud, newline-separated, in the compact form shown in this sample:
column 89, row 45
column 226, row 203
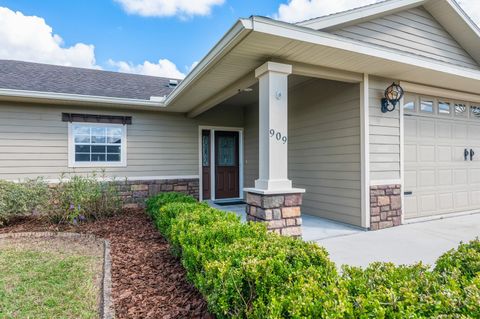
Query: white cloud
column 164, row 68
column 30, row 38
column 168, row 8
column 299, row 10
column 191, row 67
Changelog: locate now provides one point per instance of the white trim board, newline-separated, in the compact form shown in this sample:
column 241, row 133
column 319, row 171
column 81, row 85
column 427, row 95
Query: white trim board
column 439, row 92
column 365, row 149
column 121, row 178
column 386, row 182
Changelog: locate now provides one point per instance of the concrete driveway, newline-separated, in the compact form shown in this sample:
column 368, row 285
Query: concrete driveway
column 406, row 244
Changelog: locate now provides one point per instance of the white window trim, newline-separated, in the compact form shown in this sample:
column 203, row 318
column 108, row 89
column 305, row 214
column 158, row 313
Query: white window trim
column 71, row 148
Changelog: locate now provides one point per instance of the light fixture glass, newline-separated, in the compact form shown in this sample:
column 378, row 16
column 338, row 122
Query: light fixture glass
column 393, row 94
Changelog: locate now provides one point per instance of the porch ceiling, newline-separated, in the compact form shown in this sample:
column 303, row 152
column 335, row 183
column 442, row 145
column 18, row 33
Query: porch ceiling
column 277, row 41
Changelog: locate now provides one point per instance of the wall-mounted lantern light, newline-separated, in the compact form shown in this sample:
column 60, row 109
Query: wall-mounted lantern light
column 393, row 95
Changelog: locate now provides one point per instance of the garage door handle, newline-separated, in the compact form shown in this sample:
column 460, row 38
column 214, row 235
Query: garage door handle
column 465, row 154
column 472, row 154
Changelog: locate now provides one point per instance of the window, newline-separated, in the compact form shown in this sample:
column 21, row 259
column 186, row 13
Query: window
column 475, row 111
column 98, row 145
column 444, row 108
column 409, row 103
column 426, row 106
column 461, row 110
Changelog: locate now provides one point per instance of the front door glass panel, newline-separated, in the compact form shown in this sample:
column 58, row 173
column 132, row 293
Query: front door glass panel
column 206, row 149
column 226, row 151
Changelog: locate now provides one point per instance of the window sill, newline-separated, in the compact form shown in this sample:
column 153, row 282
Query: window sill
column 96, row 165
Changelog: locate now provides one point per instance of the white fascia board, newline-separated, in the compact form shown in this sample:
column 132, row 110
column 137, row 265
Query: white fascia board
column 358, row 14
column 229, row 40
column 23, row 95
column 298, row 33
column 458, row 23
column 465, row 17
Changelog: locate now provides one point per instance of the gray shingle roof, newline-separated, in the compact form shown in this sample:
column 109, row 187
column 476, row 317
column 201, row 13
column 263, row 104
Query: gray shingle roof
column 18, row 75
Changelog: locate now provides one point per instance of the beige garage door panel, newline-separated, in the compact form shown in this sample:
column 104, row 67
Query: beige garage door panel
column 436, row 173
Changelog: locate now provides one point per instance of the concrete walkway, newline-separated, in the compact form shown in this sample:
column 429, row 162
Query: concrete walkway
column 314, row 228
column 407, row 244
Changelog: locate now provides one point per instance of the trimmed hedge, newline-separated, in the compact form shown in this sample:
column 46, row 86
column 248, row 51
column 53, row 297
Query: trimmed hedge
column 245, row 272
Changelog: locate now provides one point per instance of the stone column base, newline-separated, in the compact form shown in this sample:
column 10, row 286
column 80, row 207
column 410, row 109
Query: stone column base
column 280, row 212
column 385, row 206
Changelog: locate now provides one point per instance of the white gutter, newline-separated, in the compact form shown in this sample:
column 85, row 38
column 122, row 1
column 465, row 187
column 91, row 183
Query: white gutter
column 22, row 95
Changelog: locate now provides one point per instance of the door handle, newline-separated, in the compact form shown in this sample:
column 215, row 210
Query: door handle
column 472, row 154
column 465, row 154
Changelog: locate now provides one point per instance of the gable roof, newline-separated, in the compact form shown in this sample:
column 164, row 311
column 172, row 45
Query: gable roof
column 360, row 14
column 447, row 12
column 27, row 76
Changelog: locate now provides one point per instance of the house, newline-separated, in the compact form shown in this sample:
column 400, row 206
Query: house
column 286, row 116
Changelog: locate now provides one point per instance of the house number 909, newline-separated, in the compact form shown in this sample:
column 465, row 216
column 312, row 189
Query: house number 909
column 278, row 136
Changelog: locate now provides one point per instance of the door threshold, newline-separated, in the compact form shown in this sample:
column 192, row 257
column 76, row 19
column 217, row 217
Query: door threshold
column 229, row 202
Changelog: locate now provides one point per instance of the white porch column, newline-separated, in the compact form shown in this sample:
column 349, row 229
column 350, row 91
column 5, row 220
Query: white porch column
column 273, row 128
column 273, row 201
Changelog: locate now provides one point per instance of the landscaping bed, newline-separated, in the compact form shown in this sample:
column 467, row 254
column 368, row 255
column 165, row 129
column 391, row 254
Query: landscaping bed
column 147, row 281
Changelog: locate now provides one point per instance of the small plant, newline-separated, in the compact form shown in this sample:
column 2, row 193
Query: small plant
column 79, row 198
column 19, row 199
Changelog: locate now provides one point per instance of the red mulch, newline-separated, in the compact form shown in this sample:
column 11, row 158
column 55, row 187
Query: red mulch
column 147, row 281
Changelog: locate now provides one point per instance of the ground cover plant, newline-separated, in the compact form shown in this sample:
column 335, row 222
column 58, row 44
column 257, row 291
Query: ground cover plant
column 244, row 272
column 49, row 280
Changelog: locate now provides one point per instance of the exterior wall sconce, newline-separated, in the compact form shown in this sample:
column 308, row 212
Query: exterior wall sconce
column 393, row 95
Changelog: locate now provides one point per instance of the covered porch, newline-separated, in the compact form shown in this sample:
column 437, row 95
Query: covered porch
column 296, row 159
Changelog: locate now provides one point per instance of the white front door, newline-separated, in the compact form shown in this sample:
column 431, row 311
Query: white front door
column 441, row 177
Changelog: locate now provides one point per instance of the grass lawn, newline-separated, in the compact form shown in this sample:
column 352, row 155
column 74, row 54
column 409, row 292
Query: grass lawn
column 38, row 283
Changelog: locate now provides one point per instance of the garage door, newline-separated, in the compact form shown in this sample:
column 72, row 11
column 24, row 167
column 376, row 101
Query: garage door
column 441, row 176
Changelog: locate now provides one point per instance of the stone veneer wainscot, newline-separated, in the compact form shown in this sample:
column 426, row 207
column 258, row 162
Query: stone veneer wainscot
column 134, row 193
column 281, row 213
column 385, row 206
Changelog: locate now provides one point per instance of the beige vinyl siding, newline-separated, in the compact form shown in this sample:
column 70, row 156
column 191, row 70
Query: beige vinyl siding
column 34, row 141
column 250, row 168
column 384, row 135
column 324, row 148
column 414, row 31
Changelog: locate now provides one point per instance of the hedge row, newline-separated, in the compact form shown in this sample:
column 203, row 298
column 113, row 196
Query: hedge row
column 245, row 272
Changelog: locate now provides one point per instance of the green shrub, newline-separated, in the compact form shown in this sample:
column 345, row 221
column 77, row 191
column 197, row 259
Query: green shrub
column 17, row 199
column 84, row 197
column 245, row 272
column 157, row 202
column 465, row 260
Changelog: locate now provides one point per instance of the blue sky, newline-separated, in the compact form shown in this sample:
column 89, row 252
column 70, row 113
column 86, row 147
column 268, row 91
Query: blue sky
column 121, row 36
column 134, row 35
